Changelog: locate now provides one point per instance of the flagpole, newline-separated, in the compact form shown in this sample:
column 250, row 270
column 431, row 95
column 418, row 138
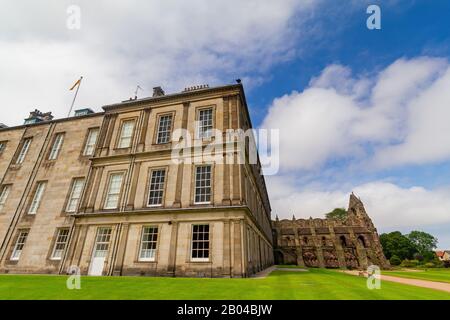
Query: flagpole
column 73, row 101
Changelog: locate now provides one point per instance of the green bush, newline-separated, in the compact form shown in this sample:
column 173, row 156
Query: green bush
column 395, row 261
column 429, row 265
column 409, row 263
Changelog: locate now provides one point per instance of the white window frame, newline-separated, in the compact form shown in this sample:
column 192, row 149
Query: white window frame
column 102, row 240
column 164, row 133
column 2, row 146
column 208, row 241
column 205, row 130
column 108, row 190
column 20, row 242
column 61, row 240
column 152, row 241
column 23, row 151
column 4, row 192
column 56, row 147
column 156, row 186
column 128, row 137
column 37, row 197
column 75, row 194
column 198, row 188
column 91, row 141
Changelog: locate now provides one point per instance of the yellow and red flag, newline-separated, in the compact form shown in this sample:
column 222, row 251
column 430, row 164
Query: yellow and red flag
column 76, row 83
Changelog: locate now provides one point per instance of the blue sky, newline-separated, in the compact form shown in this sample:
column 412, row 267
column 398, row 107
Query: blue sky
column 409, row 29
column 358, row 110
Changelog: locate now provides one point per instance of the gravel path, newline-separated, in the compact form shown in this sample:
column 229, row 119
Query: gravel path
column 413, row 282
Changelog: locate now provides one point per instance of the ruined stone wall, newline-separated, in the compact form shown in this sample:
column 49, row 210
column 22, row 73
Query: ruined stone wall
column 352, row 243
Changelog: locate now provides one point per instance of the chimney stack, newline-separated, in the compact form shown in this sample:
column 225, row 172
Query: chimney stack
column 158, row 92
column 38, row 116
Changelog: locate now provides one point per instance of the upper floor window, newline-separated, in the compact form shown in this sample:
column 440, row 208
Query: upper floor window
column 20, row 243
column 23, row 151
column 56, row 147
column 126, row 134
column 113, row 191
column 200, row 242
column 2, row 146
column 203, row 184
column 38, row 193
column 90, row 142
column 164, row 128
column 205, row 123
column 4, row 192
column 75, row 194
column 149, row 240
column 60, row 244
column 156, row 187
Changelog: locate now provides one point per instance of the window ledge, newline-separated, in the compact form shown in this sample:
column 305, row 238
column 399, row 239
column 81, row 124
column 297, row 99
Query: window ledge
column 200, row 261
column 146, row 261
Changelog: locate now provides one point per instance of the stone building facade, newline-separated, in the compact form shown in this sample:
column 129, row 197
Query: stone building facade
column 101, row 191
column 331, row 243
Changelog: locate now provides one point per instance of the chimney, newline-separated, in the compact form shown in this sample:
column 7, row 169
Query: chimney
column 83, row 112
column 38, row 116
column 158, row 92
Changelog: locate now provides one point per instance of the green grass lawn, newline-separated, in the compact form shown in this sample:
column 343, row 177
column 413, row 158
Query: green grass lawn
column 314, row 284
column 441, row 275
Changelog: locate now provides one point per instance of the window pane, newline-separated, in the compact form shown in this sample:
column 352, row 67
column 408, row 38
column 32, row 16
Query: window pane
column 205, row 123
column 114, row 187
column 20, row 243
column 90, row 142
column 102, row 242
column 60, row 243
column 56, row 146
column 203, row 184
column 164, row 129
column 37, row 197
column 148, row 244
column 23, row 151
column 200, row 242
column 126, row 134
column 75, row 195
column 156, row 187
column 4, row 192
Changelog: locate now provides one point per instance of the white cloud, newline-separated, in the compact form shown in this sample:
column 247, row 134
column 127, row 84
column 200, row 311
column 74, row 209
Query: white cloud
column 428, row 137
column 389, row 205
column 170, row 43
column 401, row 116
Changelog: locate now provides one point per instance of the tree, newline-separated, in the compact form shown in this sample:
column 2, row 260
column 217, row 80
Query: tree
column 396, row 244
column 338, row 213
column 425, row 243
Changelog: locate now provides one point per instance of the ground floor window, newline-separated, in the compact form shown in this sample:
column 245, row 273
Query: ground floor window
column 60, row 244
column 149, row 240
column 102, row 242
column 20, row 243
column 200, row 242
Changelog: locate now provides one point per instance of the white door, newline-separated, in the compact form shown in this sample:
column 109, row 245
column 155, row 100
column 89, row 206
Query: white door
column 100, row 251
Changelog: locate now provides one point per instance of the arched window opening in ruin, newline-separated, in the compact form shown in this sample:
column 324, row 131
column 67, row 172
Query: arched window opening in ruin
column 305, row 240
column 362, row 241
column 343, row 241
column 324, row 241
column 353, row 211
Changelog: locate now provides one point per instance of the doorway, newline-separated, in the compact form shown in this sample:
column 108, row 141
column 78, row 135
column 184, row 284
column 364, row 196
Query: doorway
column 100, row 253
